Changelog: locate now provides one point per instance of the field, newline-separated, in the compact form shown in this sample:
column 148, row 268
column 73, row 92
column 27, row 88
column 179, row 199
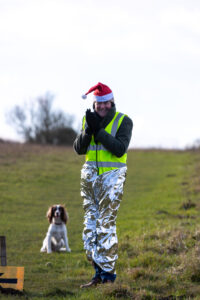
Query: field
column 158, row 224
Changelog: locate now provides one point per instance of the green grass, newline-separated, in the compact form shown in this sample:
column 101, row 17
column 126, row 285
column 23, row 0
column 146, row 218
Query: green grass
column 158, row 224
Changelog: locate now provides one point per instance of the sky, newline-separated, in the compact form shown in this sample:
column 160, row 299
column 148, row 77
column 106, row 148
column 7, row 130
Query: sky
column 147, row 52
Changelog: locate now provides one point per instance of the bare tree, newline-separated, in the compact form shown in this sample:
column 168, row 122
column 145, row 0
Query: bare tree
column 36, row 122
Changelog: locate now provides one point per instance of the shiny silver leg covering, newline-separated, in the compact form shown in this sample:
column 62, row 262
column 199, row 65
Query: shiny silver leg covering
column 101, row 200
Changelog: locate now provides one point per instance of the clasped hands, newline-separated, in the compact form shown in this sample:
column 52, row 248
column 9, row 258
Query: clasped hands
column 93, row 121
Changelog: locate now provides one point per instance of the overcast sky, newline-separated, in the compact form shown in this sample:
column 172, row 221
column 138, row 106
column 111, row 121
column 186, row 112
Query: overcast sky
column 147, row 52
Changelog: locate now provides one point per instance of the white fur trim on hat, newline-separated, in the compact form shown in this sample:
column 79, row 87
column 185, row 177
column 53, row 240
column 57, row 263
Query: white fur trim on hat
column 104, row 98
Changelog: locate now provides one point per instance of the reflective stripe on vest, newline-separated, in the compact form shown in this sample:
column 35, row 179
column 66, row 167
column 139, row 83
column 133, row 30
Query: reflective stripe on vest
column 94, row 147
column 106, row 164
column 115, row 124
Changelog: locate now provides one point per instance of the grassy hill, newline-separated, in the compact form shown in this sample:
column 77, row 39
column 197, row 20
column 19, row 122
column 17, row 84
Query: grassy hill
column 158, row 224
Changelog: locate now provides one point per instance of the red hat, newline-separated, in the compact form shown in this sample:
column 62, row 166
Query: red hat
column 101, row 93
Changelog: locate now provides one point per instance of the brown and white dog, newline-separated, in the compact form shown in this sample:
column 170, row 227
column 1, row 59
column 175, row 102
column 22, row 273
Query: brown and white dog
column 56, row 238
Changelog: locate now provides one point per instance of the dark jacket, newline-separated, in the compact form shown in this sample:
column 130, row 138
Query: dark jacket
column 117, row 145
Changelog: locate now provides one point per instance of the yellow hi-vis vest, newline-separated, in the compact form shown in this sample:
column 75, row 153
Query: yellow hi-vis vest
column 99, row 156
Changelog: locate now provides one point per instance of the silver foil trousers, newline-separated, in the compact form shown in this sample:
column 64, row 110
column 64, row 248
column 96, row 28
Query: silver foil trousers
column 101, row 200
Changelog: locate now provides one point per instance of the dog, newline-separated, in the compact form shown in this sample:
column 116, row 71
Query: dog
column 56, row 238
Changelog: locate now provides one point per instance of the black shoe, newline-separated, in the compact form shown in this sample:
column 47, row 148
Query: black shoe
column 93, row 282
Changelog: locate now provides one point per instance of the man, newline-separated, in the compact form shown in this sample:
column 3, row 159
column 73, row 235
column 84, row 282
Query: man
column 104, row 140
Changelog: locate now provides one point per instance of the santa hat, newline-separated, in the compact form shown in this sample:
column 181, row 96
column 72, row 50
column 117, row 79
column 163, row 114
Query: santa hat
column 101, row 93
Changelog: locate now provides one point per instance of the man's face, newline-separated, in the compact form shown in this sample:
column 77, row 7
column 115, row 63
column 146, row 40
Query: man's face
column 102, row 108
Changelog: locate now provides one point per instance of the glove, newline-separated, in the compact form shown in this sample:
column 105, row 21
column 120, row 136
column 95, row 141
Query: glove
column 88, row 130
column 93, row 121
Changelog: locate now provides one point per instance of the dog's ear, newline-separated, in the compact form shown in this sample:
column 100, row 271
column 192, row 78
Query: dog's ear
column 50, row 214
column 64, row 216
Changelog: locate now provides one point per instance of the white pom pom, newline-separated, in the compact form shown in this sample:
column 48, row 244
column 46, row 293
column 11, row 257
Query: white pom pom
column 84, row 97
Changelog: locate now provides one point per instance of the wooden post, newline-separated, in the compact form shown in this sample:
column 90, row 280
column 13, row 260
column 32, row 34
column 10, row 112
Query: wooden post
column 3, row 250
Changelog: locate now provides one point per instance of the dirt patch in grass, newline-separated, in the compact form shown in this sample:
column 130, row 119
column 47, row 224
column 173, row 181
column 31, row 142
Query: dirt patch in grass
column 188, row 204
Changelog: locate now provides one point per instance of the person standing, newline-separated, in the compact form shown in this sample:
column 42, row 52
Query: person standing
column 104, row 139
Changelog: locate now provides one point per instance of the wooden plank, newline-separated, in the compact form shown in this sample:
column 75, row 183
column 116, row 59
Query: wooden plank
column 3, row 250
column 12, row 277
